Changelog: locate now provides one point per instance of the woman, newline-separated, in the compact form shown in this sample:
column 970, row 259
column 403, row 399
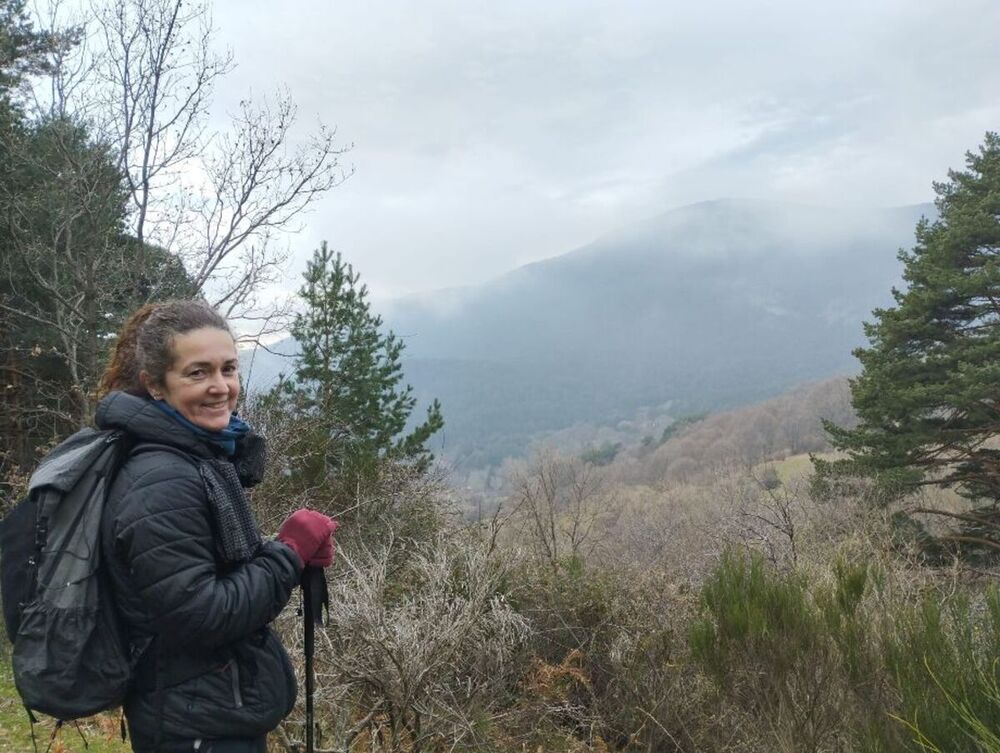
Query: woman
column 195, row 585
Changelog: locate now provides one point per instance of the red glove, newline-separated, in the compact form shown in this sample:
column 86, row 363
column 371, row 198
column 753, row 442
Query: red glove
column 324, row 555
column 307, row 533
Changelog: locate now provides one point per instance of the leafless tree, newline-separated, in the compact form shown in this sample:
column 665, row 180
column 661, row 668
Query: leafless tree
column 560, row 500
column 256, row 186
column 158, row 71
column 216, row 199
column 776, row 514
column 760, row 511
column 132, row 94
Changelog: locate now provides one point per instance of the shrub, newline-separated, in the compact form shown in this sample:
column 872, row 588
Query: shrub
column 607, row 662
column 983, row 732
column 420, row 650
column 941, row 657
column 765, row 642
column 752, row 616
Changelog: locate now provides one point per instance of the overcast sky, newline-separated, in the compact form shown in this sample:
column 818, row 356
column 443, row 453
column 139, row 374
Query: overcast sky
column 487, row 135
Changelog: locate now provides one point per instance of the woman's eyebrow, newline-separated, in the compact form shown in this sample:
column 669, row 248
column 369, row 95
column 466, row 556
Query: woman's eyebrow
column 204, row 364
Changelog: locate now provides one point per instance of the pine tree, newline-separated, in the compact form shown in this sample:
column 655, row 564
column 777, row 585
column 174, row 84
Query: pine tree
column 348, row 375
column 25, row 52
column 928, row 397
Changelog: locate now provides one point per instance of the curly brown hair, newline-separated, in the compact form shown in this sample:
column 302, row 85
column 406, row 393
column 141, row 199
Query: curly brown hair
column 146, row 339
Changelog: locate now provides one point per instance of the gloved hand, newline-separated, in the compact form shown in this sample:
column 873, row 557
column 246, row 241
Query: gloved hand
column 324, row 555
column 307, row 533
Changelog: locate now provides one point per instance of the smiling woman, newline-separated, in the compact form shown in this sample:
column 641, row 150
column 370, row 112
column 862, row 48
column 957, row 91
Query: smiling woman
column 195, row 586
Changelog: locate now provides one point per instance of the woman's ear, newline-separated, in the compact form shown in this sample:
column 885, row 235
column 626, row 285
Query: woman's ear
column 151, row 388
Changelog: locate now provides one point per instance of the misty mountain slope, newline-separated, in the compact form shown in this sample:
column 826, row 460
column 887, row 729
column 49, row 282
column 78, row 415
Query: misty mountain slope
column 708, row 306
column 704, row 308
column 730, row 259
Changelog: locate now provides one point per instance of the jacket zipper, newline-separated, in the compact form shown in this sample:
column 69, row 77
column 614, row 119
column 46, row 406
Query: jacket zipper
column 234, row 672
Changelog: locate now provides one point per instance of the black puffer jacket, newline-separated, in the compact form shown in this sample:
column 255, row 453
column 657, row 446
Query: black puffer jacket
column 210, row 666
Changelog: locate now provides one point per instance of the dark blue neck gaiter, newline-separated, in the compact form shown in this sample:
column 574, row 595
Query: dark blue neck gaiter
column 225, row 438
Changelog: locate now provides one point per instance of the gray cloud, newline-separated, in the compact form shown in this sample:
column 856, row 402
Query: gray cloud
column 490, row 134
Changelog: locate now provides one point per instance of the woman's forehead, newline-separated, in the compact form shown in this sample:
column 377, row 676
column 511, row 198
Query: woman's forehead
column 207, row 344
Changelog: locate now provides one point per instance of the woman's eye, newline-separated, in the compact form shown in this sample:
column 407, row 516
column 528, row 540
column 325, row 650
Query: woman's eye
column 196, row 373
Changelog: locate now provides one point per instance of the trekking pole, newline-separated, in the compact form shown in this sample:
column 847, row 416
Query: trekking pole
column 314, row 596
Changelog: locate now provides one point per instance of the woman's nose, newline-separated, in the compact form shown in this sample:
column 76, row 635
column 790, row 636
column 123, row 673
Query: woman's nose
column 218, row 383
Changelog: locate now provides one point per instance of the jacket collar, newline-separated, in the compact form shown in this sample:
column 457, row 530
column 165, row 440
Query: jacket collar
column 144, row 421
column 140, row 417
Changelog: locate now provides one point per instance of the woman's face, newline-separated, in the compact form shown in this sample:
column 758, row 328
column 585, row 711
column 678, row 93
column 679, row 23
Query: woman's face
column 203, row 381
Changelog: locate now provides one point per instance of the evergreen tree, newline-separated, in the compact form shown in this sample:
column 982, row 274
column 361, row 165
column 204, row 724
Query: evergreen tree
column 69, row 277
column 23, row 50
column 348, row 376
column 928, row 397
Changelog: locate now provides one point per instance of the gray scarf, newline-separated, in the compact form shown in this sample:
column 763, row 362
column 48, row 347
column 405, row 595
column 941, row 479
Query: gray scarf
column 237, row 528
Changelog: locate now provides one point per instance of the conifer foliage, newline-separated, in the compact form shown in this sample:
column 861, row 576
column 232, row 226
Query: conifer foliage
column 25, row 51
column 928, row 397
column 348, row 376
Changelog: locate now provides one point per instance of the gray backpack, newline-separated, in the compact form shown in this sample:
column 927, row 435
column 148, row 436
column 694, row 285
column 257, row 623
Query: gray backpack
column 70, row 655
